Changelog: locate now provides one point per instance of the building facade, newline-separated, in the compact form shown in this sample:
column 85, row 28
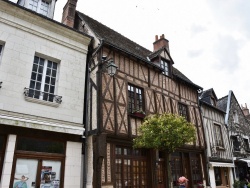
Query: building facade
column 145, row 83
column 239, row 131
column 42, row 76
column 219, row 151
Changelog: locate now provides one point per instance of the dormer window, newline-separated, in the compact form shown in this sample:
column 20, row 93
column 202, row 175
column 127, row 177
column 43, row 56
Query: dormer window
column 165, row 66
column 44, row 7
column 213, row 102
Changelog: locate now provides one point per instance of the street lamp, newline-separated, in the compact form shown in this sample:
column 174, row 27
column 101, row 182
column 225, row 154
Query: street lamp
column 111, row 66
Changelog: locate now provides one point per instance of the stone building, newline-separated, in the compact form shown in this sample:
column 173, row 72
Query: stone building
column 239, row 132
column 42, row 76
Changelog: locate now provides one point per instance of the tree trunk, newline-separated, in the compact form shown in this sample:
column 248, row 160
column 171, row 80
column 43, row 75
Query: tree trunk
column 167, row 159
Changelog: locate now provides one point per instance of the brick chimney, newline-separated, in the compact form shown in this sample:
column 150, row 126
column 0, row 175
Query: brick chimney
column 245, row 110
column 159, row 43
column 69, row 10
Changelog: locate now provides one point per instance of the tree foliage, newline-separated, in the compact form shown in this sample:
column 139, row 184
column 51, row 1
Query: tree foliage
column 164, row 132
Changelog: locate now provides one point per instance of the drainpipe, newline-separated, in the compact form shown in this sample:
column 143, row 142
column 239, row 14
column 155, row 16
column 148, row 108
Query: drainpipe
column 86, row 106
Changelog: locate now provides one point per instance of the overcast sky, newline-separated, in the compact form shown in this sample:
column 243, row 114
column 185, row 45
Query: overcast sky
column 209, row 39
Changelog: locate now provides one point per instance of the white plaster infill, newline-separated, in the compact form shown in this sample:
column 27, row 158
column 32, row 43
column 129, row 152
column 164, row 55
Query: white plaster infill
column 41, row 125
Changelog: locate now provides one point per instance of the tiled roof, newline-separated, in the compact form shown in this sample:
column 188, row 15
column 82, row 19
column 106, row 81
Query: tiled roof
column 222, row 103
column 205, row 98
column 113, row 38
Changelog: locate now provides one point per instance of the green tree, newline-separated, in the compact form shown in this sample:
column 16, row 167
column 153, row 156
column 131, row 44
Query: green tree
column 165, row 132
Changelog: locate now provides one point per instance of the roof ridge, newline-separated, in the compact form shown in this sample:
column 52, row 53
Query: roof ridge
column 115, row 32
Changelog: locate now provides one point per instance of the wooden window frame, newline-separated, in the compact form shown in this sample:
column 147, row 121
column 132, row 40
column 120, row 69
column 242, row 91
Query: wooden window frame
column 218, row 136
column 183, row 112
column 166, row 66
column 135, row 103
column 40, row 156
column 133, row 156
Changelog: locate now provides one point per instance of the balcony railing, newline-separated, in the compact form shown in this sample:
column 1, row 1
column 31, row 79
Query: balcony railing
column 37, row 94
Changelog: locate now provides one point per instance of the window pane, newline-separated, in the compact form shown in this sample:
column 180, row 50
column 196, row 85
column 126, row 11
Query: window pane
column 49, row 64
column 48, row 72
column 54, row 73
column 30, row 144
column 32, row 84
column 40, row 69
column 39, row 77
column 33, row 76
column 52, row 89
column 34, row 67
column 50, row 173
column 46, row 88
column 53, row 81
column 51, row 98
column 25, row 168
column 47, row 80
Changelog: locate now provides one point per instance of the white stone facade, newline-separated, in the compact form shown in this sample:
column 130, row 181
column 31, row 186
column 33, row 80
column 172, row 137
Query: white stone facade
column 24, row 35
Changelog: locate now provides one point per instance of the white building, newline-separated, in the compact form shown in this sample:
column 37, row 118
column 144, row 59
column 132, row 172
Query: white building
column 42, row 80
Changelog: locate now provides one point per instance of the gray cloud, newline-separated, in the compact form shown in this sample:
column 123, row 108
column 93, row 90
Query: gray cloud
column 194, row 53
column 226, row 52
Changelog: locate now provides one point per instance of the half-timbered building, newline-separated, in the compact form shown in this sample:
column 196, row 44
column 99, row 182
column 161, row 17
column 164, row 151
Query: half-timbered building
column 239, row 131
column 219, row 151
column 145, row 83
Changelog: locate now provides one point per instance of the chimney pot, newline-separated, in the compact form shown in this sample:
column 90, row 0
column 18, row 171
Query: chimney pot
column 156, row 37
column 69, row 9
column 160, row 43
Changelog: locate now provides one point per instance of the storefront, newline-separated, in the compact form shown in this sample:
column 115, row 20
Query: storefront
column 36, row 158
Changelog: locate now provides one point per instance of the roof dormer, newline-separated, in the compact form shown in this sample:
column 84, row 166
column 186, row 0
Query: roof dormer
column 44, row 7
column 161, row 55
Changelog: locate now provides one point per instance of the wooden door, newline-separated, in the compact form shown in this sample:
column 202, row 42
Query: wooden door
column 160, row 175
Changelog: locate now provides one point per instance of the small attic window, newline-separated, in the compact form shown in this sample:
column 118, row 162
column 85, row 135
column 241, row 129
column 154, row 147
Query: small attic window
column 213, row 102
column 165, row 66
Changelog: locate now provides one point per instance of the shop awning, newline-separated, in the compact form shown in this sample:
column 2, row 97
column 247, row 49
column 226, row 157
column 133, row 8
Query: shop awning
column 246, row 160
column 221, row 164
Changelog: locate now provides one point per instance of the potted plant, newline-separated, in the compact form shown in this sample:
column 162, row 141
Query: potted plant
column 139, row 113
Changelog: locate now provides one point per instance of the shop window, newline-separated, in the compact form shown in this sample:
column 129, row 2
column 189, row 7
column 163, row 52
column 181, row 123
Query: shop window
column 130, row 168
column 196, row 169
column 217, row 174
column 38, row 163
column 176, row 167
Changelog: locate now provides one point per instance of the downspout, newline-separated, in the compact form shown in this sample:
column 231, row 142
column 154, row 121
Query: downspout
column 87, row 102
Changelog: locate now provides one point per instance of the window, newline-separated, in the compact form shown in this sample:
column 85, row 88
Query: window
column 38, row 162
column 176, row 167
column 44, row 8
column 165, row 66
column 236, row 143
column 246, row 144
column 217, row 174
column 43, row 80
column 135, row 96
column 39, row 6
column 218, row 136
column 2, row 152
column 1, row 52
column 213, row 102
column 195, row 166
column 183, row 110
column 130, row 168
column 235, row 117
column 33, row 4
